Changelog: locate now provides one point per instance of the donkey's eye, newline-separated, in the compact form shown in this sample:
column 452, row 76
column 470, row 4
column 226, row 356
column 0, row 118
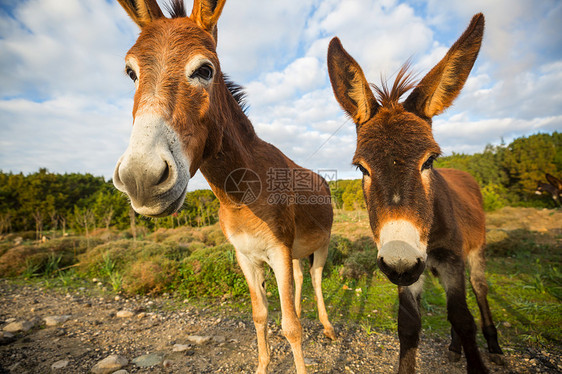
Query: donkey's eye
column 362, row 169
column 204, row 72
column 428, row 164
column 131, row 73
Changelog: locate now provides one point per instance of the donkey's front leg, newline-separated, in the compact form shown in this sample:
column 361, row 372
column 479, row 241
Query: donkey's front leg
column 409, row 325
column 453, row 279
column 281, row 263
column 254, row 273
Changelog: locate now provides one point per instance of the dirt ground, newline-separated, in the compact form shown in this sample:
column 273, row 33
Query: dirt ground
column 96, row 329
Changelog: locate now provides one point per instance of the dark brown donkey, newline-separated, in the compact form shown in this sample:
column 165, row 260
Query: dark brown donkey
column 420, row 217
column 554, row 187
column 186, row 117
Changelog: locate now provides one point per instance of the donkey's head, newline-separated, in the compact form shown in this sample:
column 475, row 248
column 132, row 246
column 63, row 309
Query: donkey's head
column 396, row 149
column 175, row 70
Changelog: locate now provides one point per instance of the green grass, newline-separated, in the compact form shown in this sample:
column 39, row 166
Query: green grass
column 523, row 273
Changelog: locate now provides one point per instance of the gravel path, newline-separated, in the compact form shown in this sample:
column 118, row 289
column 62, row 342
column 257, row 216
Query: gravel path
column 192, row 339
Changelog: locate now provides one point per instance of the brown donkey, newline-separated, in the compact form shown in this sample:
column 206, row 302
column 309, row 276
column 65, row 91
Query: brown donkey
column 188, row 117
column 420, row 216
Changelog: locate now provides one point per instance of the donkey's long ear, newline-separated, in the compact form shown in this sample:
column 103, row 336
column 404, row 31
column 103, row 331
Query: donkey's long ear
column 349, row 84
column 206, row 13
column 142, row 11
column 554, row 181
column 439, row 88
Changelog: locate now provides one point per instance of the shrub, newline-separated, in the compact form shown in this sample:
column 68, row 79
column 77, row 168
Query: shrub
column 359, row 264
column 339, row 249
column 211, row 271
column 153, row 275
column 493, row 197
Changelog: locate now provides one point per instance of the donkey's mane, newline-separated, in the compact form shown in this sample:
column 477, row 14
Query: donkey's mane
column 176, row 8
column 237, row 91
column 405, row 81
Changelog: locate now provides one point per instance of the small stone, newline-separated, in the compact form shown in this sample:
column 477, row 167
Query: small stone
column 122, row 371
column 180, row 347
column 125, row 313
column 19, row 326
column 197, row 339
column 60, row 364
column 60, row 331
column 10, row 320
column 117, row 298
column 110, row 364
column 507, row 324
column 6, row 337
column 56, row 320
column 167, row 364
column 141, row 315
column 219, row 339
column 308, row 361
column 148, row 360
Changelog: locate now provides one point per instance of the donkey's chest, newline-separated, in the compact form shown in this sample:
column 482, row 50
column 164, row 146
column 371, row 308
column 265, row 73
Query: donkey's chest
column 253, row 246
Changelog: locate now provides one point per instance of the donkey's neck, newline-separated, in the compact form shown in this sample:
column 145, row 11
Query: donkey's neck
column 237, row 150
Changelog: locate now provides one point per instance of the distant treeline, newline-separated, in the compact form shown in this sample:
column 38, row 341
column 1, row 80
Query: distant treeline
column 45, row 201
column 508, row 175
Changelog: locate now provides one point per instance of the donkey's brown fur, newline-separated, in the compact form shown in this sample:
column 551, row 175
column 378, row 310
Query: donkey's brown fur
column 187, row 117
column 420, row 216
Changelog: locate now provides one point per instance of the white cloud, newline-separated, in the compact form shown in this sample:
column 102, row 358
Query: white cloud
column 301, row 76
column 57, row 48
column 256, row 37
column 379, row 35
column 66, row 134
column 461, row 136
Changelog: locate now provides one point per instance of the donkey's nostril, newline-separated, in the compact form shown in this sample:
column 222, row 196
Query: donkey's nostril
column 165, row 174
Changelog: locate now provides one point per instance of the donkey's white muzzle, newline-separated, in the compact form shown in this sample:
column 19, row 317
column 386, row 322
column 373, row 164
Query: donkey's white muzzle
column 401, row 255
column 153, row 171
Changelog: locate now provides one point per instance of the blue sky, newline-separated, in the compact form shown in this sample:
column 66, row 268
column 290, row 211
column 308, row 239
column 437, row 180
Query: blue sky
column 65, row 103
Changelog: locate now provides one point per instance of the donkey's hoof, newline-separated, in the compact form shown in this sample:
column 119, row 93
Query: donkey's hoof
column 454, row 356
column 330, row 333
column 496, row 358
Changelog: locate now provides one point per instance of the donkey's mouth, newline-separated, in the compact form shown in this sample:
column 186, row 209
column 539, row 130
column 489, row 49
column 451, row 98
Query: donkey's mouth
column 160, row 208
column 402, row 277
column 174, row 206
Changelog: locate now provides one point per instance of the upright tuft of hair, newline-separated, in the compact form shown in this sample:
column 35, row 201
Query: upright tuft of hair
column 404, row 82
column 176, row 8
column 237, row 92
